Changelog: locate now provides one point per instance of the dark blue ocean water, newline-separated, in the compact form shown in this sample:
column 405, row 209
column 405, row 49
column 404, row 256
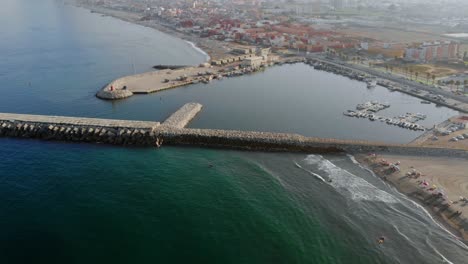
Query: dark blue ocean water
column 79, row 203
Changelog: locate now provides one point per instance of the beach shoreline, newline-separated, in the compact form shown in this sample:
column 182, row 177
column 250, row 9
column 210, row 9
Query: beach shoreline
column 211, row 49
column 419, row 179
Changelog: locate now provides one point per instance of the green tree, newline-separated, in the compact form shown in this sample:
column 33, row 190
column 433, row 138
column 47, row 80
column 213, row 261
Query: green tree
column 433, row 79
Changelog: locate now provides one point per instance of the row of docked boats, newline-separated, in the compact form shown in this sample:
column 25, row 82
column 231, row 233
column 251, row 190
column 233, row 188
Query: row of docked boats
column 372, row 106
column 401, row 122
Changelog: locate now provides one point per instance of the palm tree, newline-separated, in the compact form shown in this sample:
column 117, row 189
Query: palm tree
column 457, row 83
column 451, row 82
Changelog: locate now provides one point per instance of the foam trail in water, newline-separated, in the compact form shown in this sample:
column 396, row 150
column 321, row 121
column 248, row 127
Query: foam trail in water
column 312, row 173
column 444, row 259
column 198, row 49
column 359, row 188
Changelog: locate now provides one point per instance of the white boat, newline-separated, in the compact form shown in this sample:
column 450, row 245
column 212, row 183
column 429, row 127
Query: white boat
column 350, row 113
column 371, row 84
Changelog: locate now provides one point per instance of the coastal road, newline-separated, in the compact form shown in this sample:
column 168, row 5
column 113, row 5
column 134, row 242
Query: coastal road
column 393, row 78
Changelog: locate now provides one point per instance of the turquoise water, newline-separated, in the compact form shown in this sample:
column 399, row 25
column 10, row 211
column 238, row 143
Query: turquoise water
column 79, row 203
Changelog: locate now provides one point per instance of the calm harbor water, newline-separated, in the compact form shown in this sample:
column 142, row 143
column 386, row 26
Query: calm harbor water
column 78, row 203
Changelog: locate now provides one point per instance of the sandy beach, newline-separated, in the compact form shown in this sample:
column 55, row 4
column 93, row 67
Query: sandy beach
column 439, row 183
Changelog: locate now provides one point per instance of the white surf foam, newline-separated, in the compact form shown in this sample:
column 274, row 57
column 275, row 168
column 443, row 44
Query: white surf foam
column 353, row 159
column 358, row 188
column 198, row 49
column 310, row 172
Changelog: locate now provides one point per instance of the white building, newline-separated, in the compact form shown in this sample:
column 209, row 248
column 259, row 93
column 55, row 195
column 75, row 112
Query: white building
column 253, row 62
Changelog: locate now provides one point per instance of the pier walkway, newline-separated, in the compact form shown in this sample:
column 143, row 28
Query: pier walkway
column 76, row 121
column 173, row 132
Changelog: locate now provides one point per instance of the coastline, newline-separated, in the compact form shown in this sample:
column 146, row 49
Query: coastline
column 425, row 189
column 212, row 49
column 194, row 46
column 410, row 189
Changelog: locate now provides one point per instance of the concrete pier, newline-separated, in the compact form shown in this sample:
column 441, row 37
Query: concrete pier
column 150, row 82
column 183, row 116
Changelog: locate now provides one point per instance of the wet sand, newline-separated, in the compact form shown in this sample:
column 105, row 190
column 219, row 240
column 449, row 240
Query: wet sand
column 436, row 182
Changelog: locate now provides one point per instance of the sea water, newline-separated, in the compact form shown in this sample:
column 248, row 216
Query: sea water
column 82, row 203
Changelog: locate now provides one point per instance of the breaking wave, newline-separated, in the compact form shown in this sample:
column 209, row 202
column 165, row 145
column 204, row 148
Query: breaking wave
column 358, row 188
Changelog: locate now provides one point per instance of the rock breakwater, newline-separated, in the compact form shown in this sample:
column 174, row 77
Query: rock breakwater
column 141, row 133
